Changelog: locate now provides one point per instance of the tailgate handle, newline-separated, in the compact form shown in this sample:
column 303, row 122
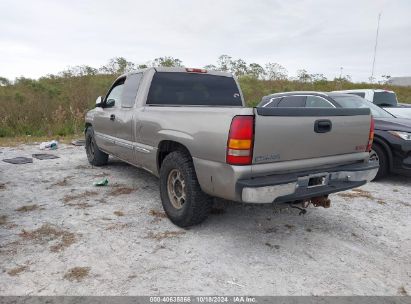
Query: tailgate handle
column 322, row 126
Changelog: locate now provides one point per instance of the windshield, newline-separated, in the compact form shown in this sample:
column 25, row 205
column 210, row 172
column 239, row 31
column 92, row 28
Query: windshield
column 358, row 102
column 385, row 99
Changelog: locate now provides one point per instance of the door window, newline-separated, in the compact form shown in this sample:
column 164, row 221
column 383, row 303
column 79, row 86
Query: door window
column 113, row 98
column 130, row 90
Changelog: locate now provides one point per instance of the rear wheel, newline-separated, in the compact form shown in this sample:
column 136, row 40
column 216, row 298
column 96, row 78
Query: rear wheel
column 95, row 156
column 378, row 154
column 182, row 198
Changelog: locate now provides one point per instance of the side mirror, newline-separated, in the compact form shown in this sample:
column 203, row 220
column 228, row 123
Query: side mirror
column 110, row 103
column 99, row 101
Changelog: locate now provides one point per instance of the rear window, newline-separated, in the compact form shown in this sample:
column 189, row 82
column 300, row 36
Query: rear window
column 385, row 99
column 358, row 102
column 193, row 89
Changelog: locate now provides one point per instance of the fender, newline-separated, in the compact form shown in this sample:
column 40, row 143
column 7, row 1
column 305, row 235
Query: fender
column 380, row 141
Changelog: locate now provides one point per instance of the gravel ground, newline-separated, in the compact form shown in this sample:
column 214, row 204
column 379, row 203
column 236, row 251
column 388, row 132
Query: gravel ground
column 60, row 235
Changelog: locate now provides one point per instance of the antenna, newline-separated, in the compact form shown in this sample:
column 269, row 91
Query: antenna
column 375, row 48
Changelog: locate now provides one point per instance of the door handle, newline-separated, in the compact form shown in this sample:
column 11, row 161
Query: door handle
column 323, row 126
column 112, row 117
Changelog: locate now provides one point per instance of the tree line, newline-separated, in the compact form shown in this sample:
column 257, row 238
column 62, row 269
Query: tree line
column 56, row 103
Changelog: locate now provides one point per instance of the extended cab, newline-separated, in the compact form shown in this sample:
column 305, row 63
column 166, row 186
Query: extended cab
column 190, row 127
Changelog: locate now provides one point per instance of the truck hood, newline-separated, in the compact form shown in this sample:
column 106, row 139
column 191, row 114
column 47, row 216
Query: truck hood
column 393, row 124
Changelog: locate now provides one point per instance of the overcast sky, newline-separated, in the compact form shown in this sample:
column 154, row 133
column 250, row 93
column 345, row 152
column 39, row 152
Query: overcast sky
column 47, row 36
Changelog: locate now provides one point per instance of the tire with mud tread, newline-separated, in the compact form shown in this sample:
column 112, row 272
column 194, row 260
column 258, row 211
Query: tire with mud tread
column 183, row 200
column 95, row 156
column 382, row 158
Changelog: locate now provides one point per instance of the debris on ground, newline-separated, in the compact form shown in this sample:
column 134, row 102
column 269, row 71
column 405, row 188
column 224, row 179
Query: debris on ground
column 42, row 156
column 27, row 208
column 118, row 226
column 121, row 190
column 79, row 142
column 63, row 182
column 17, row 270
column 270, row 230
column 356, row 193
column 3, row 219
column 77, row 273
column 402, row 291
column 119, row 213
column 272, row 246
column 67, row 198
column 18, row 160
column 49, row 145
column 103, row 182
column 157, row 213
column 47, row 233
column 164, row 235
column 235, row 283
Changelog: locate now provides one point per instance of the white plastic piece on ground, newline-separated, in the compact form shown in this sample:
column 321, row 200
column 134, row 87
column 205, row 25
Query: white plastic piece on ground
column 49, row 145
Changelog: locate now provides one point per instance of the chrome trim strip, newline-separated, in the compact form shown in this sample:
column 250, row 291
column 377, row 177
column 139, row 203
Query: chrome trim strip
column 142, row 147
column 139, row 147
column 105, row 137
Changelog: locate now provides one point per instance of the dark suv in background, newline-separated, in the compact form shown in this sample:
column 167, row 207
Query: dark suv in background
column 392, row 141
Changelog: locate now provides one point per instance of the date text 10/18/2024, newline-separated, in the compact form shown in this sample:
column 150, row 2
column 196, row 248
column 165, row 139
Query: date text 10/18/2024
column 205, row 299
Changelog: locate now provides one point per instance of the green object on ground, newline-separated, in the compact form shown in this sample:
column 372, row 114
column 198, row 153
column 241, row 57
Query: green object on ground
column 103, row 182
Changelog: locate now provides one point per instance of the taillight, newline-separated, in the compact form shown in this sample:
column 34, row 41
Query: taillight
column 191, row 70
column 371, row 135
column 240, row 141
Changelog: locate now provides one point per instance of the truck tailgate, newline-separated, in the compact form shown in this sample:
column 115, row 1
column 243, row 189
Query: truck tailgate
column 283, row 134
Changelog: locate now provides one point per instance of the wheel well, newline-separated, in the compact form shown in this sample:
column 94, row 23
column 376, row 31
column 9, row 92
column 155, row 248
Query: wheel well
column 166, row 147
column 86, row 126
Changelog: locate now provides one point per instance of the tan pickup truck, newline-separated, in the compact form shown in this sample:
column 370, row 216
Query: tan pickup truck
column 190, row 127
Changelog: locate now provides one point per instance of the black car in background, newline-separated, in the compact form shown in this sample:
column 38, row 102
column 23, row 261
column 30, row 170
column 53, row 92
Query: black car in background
column 392, row 140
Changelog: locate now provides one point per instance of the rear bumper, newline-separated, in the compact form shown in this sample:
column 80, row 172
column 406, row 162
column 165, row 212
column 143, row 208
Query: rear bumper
column 290, row 187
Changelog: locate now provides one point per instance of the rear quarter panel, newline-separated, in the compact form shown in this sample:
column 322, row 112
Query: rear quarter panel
column 202, row 130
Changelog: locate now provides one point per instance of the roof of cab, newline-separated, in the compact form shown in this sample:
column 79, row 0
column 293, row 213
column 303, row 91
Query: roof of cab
column 177, row 70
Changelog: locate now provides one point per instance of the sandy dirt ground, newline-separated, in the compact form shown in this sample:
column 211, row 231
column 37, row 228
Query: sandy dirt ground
column 60, row 235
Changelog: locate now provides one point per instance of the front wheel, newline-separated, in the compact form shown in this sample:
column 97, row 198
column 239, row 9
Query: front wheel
column 95, row 156
column 377, row 154
column 182, row 198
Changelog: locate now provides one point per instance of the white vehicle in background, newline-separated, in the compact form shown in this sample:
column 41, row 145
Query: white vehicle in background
column 382, row 98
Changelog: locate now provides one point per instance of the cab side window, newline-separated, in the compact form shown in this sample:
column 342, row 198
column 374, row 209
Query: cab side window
column 130, row 90
column 113, row 98
column 317, row 102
